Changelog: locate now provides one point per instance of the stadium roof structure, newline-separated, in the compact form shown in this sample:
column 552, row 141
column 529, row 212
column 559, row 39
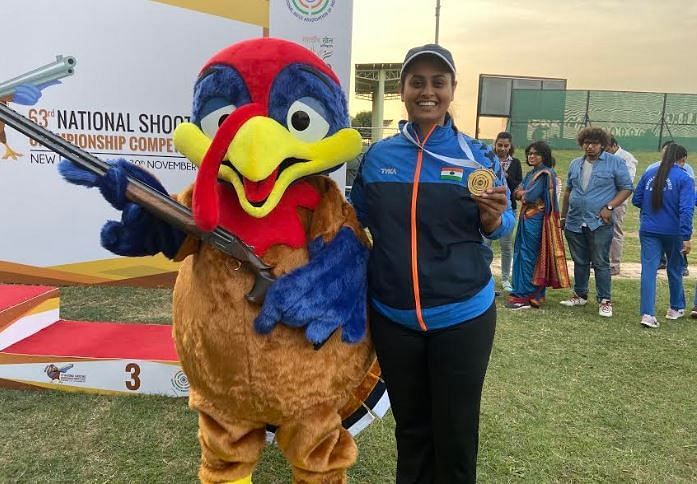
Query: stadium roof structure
column 368, row 78
column 377, row 82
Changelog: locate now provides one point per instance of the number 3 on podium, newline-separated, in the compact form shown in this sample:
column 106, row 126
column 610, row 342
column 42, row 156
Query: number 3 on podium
column 134, row 382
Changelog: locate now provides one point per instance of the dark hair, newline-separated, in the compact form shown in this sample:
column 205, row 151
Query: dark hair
column 613, row 141
column 542, row 148
column 505, row 135
column 666, row 143
column 673, row 153
column 593, row 134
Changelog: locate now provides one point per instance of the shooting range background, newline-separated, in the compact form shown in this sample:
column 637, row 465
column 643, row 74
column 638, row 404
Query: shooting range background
column 137, row 59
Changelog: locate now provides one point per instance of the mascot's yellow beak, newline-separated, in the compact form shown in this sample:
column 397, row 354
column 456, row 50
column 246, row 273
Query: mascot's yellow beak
column 264, row 158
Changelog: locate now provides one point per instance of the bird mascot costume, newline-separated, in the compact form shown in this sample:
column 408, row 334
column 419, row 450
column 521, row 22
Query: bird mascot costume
column 269, row 122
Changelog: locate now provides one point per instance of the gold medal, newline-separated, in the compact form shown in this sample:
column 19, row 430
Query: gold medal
column 480, row 180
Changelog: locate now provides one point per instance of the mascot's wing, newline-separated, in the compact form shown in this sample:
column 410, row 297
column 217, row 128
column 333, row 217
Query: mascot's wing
column 330, row 291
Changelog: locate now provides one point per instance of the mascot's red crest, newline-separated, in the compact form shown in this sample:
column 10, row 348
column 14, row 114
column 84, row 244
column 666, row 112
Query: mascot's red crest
column 258, row 61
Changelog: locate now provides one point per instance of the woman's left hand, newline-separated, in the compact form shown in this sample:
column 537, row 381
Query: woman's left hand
column 492, row 204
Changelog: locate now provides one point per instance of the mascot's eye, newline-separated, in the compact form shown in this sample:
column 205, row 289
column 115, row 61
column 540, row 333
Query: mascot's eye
column 306, row 121
column 212, row 121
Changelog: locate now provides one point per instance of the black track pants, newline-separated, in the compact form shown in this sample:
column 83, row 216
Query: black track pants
column 434, row 380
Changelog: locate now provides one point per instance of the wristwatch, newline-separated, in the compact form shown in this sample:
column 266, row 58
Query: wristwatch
column 610, row 208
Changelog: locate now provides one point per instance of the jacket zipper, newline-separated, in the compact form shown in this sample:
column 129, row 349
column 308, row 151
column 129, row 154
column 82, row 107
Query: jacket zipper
column 414, row 248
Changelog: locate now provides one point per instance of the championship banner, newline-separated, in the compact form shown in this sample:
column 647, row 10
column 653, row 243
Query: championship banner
column 115, row 78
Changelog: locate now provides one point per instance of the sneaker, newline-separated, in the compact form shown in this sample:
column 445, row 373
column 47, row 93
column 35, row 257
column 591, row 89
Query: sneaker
column 662, row 265
column 614, row 271
column 686, row 272
column 649, row 321
column 675, row 313
column 515, row 306
column 507, row 286
column 605, row 308
column 693, row 313
column 574, row 300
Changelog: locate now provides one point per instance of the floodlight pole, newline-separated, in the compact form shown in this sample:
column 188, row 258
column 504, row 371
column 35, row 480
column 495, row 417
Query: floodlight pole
column 437, row 18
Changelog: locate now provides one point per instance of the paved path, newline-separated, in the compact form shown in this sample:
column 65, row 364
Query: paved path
column 630, row 270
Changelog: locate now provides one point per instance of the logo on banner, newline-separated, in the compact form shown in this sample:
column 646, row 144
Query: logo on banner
column 322, row 47
column 180, row 382
column 27, row 89
column 310, row 10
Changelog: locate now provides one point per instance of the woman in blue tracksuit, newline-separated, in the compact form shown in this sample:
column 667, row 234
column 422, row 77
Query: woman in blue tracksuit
column 431, row 291
column 666, row 196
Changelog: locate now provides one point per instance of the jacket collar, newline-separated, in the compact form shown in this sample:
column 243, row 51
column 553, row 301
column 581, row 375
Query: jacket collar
column 439, row 132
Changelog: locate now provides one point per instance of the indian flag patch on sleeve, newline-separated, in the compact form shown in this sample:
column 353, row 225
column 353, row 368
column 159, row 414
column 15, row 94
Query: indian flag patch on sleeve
column 451, row 173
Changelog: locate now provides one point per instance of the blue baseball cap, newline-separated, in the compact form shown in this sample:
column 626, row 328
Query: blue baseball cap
column 429, row 49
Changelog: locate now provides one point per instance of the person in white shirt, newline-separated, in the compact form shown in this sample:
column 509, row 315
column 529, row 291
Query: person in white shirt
column 618, row 234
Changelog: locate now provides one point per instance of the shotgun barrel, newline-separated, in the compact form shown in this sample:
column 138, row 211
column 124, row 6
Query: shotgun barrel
column 60, row 68
column 155, row 202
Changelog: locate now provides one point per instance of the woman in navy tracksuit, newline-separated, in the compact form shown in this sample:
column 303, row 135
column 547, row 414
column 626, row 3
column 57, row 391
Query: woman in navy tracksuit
column 665, row 225
column 430, row 288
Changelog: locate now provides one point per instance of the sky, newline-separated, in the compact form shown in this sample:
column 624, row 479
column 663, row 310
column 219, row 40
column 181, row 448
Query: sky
column 642, row 45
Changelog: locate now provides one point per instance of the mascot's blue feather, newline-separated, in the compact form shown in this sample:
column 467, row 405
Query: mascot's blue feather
column 218, row 83
column 76, row 175
column 296, row 82
column 327, row 293
column 138, row 233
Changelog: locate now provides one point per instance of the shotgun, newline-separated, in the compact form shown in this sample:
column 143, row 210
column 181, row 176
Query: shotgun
column 60, row 68
column 158, row 204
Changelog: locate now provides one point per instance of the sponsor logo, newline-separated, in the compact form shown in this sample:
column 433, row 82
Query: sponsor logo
column 180, row 382
column 61, row 375
column 388, row 171
column 310, row 10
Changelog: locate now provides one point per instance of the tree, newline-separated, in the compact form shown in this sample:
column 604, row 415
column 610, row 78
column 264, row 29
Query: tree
column 363, row 122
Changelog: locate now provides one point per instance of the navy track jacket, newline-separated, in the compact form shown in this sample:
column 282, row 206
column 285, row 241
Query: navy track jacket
column 428, row 268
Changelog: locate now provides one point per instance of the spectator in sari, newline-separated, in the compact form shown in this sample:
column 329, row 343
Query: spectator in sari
column 538, row 254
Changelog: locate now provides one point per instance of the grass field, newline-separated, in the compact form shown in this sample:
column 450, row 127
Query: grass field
column 569, row 397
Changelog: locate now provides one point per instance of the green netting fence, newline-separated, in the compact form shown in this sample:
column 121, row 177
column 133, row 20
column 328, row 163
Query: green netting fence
column 641, row 121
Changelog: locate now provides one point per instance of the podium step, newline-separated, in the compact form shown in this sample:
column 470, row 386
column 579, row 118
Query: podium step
column 38, row 350
column 25, row 310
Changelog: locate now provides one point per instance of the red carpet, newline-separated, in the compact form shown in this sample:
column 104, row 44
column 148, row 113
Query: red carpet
column 11, row 295
column 99, row 340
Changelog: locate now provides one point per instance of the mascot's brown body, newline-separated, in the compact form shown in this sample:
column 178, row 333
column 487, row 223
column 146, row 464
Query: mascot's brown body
column 241, row 381
column 269, row 121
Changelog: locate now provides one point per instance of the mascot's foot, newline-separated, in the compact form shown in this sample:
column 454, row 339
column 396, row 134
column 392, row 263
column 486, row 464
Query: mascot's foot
column 244, row 480
column 10, row 153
